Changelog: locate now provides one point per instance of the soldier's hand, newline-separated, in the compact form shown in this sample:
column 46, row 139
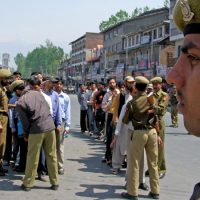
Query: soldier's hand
column 160, row 141
column 57, row 130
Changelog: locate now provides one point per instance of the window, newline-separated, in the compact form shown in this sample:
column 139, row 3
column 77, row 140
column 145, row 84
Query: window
column 155, row 34
column 137, row 39
column 133, row 40
column 160, row 32
column 129, row 41
column 167, row 29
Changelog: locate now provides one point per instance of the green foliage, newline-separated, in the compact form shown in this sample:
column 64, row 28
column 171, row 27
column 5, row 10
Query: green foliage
column 45, row 59
column 166, row 3
column 20, row 61
column 113, row 20
column 121, row 16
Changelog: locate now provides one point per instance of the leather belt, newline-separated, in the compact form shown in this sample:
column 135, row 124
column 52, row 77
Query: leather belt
column 143, row 128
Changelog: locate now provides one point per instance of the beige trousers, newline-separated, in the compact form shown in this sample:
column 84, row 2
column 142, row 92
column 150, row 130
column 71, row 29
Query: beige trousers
column 60, row 148
column 140, row 140
column 35, row 142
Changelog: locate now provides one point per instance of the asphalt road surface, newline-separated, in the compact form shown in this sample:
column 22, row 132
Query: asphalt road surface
column 87, row 178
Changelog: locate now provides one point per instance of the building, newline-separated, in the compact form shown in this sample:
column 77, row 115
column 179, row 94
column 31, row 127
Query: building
column 139, row 46
column 85, row 56
column 175, row 35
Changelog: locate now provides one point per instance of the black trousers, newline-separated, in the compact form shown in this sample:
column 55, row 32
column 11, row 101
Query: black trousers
column 83, row 120
column 109, row 133
column 23, row 146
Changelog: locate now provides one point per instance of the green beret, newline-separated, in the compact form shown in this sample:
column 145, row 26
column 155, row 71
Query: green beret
column 15, row 84
column 5, row 73
column 141, row 80
column 156, row 79
column 186, row 15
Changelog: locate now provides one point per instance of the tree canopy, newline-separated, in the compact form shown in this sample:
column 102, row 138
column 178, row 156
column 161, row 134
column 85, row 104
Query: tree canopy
column 121, row 16
column 45, row 59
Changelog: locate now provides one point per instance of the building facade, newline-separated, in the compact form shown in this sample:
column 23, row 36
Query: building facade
column 84, row 56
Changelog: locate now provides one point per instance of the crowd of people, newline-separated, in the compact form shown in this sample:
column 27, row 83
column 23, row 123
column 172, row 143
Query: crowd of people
column 35, row 118
column 123, row 114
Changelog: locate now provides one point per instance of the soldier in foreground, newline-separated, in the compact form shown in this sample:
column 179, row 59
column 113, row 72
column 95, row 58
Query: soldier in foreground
column 186, row 72
column 4, row 74
column 143, row 137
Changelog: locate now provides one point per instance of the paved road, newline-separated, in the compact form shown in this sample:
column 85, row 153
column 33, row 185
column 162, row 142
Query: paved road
column 87, row 178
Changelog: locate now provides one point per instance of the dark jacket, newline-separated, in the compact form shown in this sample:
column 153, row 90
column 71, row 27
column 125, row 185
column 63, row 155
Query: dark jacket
column 34, row 113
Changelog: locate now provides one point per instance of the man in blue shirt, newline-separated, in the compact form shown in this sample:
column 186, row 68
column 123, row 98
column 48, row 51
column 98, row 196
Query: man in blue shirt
column 64, row 101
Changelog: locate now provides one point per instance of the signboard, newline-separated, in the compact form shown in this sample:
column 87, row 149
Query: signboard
column 145, row 39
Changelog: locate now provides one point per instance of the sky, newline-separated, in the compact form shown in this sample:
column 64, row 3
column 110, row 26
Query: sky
column 27, row 24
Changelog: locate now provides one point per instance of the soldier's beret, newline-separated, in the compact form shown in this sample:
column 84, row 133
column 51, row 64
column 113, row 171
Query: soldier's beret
column 141, row 80
column 186, row 15
column 5, row 73
column 16, row 84
column 129, row 78
column 156, row 79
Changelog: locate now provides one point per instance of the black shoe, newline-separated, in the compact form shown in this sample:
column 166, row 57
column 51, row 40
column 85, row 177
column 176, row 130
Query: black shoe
column 27, row 189
column 54, row 187
column 143, row 186
column 161, row 175
column 128, row 196
column 147, row 173
column 19, row 169
column 2, row 174
column 153, row 196
column 3, row 170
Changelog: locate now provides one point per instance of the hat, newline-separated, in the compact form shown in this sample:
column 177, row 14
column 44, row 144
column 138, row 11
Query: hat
column 49, row 78
column 129, row 78
column 15, row 84
column 186, row 15
column 150, row 86
column 141, row 80
column 5, row 73
column 156, row 79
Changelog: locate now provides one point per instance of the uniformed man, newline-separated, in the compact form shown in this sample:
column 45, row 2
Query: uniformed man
column 143, row 137
column 173, row 103
column 161, row 103
column 4, row 74
column 186, row 72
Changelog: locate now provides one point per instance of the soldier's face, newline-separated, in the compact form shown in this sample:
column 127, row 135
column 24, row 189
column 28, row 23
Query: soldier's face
column 186, row 77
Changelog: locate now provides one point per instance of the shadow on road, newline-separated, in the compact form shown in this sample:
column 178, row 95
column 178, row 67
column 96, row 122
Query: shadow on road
column 99, row 192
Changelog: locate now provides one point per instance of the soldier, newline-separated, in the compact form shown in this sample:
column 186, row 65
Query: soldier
column 186, row 72
column 4, row 74
column 143, row 136
column 173, row 103
column 161, row 99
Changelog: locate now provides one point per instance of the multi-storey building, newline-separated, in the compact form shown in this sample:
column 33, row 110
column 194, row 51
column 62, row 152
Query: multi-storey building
column 84, row 56
column 175, row 35
column 140, row 45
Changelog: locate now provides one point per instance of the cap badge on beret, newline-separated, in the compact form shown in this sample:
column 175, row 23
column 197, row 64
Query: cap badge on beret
column 186, row 11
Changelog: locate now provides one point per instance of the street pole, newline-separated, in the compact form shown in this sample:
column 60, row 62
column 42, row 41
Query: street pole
column 91, row 65
column 125, row 68
column 126, row 50
column 105, row 65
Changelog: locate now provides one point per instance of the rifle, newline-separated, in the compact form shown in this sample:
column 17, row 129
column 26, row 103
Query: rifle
column 153, row 116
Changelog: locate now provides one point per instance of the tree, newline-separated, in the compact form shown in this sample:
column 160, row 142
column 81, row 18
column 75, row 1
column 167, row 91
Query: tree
column 20, row 61
column 45, row 59
column 166, row 3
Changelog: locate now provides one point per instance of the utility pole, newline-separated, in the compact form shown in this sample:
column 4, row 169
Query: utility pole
column 126, row 51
